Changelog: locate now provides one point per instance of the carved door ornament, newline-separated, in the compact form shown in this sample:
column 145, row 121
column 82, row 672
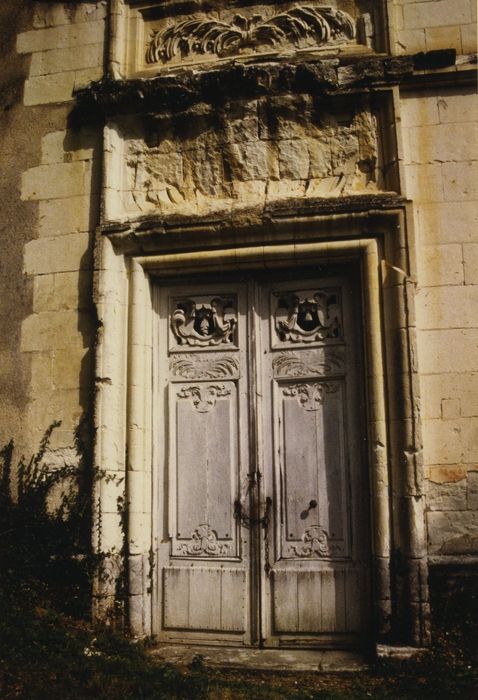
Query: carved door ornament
column 302, row 25
column 310, row 396
column 196, row 367
column 204, row 398
column 204, row 324
column 307, row 362
column 308, row 319
column 316, row 542
column 204, row 542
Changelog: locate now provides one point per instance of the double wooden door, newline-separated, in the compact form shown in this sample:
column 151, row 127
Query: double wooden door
column 261, row 490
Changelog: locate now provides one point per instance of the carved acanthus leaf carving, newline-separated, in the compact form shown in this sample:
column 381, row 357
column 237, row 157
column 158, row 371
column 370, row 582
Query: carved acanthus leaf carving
column 308, row 319
column 317, row 543
column 204, row 398
column 306, row 362
column 204, row 543
column 205, row 324
column 202, row 35
column 195, row 367
column 310, row 396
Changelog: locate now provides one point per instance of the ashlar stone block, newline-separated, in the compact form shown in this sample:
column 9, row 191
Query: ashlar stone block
column 65, row 216
column 447, row 307
column 456, row 107
column 62, row 36
column 441, row 142
column 417, row 109
column 437, row 13
column 56, row 181
column 453, row 532
column 63, row 254
column 443, row 37
column 460, row 181
column 440, row 265
column 448, row 496
column 437, row 350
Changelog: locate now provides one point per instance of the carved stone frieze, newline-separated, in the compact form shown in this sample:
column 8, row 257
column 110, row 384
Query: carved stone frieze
column 310, row 318
column 204, row 542
column 204, row 397
column 300, row 26
column 306, row 363
column 199, row 367
column 204, row 324
column 310, row 396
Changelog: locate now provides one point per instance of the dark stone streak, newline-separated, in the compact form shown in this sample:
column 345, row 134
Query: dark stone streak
column 173, row 93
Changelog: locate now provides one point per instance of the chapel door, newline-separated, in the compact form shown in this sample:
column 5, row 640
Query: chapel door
column 261, row 489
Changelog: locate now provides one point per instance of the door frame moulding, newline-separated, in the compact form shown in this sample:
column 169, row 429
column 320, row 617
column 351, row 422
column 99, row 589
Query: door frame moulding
column 125, row 274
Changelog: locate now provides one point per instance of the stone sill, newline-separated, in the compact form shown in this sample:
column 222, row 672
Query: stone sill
column 400, row 653
column 273, row 660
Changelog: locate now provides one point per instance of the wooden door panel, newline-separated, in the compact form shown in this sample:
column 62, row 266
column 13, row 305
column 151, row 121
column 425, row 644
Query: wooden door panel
column 312, row 465
column 325, row 601
column 204, row 599
column 310, row 363
column 204, row 468
column 204, row 453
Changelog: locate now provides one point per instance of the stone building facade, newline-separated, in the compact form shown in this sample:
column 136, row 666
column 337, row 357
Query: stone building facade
column 228, row 227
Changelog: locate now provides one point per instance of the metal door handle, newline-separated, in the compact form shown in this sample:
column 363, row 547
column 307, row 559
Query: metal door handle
column 305, row 513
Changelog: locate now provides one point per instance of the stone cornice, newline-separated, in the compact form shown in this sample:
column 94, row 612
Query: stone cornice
column 178, row 90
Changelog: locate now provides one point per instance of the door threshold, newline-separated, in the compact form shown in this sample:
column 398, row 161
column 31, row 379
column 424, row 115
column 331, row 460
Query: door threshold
column 315, row 661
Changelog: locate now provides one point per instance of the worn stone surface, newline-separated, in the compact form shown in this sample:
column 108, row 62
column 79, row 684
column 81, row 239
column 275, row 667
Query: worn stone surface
column 205, row 160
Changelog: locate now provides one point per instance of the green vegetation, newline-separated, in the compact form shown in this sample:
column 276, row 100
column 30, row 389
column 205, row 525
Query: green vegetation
column 49, row 649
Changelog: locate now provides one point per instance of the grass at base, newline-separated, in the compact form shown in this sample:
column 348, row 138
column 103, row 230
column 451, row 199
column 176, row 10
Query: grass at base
column 46, row 655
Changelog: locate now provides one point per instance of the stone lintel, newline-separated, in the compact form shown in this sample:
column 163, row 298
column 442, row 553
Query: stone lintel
column 366, row 207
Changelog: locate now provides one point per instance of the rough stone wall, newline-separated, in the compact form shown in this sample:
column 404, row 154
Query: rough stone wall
column 440, row 136
column 427, row 25
column 53, row 208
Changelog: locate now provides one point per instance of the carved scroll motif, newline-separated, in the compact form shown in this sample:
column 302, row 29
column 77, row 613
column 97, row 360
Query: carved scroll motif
column 205, row 35
column 204, row 543
column 204, row 398
column 317, row 543
column 307, row 362
column 204, row 324
column 196, row 367
column 310, row 396
column 308, row 319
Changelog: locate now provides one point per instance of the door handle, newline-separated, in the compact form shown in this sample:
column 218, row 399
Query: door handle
column 305, row 513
